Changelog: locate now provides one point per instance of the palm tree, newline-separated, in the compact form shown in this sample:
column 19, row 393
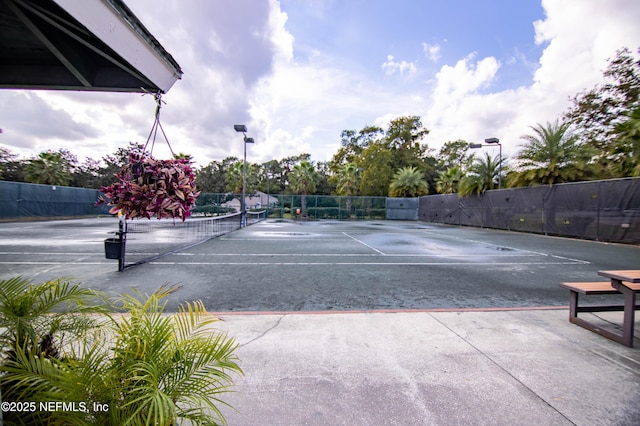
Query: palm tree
column 448, row 180
column 551, row 155
column 482, row 176
column 234, row 178
column 50, row 168
column 303, row 180
column 408, row 182
column 347, row 180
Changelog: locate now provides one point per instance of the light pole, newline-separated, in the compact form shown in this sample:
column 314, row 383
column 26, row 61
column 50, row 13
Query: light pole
column 241, row 128
column 489, row 141
column 268, row 198
column 497, row 141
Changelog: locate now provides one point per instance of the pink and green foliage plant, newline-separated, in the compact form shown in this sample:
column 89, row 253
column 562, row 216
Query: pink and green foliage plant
column 148, row 187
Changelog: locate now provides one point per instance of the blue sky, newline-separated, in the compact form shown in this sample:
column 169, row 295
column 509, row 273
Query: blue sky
column 298, row 72
column 364, row 33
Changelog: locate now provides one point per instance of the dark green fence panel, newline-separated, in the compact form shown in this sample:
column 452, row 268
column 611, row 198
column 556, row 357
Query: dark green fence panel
column 607, row 210
column 20, row 200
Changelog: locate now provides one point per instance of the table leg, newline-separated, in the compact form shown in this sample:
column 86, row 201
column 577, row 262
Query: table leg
column 629, row 311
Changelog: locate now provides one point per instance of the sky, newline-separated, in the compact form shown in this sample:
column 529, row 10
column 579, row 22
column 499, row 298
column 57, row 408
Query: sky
column 299, row 72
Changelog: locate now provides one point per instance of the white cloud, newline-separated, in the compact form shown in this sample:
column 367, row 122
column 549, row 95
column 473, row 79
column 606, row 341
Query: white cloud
column 390, row 66
column 580, row 35
column 432, row 51
column 240, row 68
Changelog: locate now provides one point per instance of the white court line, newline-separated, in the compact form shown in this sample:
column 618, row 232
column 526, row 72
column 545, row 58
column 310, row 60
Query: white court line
column 56, row 263
column 360, row 263
column 364, row 244
column 49, row 253
column 506, row 254
column 346, row 255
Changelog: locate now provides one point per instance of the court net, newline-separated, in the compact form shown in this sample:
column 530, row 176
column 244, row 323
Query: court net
column 148, row 240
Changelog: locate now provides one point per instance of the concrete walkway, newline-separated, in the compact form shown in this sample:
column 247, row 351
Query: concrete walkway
column 510, row 367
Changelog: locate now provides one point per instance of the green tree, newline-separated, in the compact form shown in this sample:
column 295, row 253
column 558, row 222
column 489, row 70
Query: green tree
column 237, row 175
column 455, row 154
column 114, row 162
column 482, row 176
column 403, row 138
column 352, row 144
column 7, row 159
column 408, row 182
column 346, row 183
column 377, row 170
column 303, row 180
column 324, row 185
column 596, row 113
column 50, row 168
column 267, row 184
column 627, row 148
column 552, row 154
column 87, row 174
column 448, row 181
column 213, row 176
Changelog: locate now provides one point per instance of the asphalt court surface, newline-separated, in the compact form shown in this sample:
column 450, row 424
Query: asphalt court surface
column 403, row 335
column 284, row 266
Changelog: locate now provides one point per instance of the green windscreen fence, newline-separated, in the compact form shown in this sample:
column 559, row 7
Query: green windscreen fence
column 287, row 206
column 606, row 210
column 598, row 210
column 21, row 200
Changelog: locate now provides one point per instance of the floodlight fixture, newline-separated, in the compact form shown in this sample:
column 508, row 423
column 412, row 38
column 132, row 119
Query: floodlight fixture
column 240, row 128
column 249, row 140
column 475, row 145
column 492, row 140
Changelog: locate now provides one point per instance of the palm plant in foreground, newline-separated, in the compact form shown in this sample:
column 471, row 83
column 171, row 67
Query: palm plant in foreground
column 37, row 322
column 37, row 317
column 144, row 367
column 169, row 367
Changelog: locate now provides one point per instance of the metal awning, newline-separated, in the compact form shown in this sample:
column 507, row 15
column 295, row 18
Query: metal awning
column 89, row 45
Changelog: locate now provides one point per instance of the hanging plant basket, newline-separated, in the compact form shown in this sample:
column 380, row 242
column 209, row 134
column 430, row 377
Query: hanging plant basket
column 148, row 187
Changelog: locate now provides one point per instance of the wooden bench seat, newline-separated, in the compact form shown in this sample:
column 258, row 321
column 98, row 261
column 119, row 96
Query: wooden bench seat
column 599, row 288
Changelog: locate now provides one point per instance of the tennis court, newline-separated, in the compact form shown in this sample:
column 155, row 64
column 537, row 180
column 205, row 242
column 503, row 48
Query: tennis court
column 285, row 266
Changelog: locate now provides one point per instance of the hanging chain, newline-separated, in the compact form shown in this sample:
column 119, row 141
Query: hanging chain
column 156, row 125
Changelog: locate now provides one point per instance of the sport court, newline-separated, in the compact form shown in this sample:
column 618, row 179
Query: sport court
column 378, row 322
column 286, row 266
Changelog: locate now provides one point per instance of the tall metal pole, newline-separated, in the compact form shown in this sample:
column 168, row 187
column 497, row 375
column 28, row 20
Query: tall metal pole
column 496, row 141
column 243, row 207
column 241, row 128
column 500, row 167
column 268, row 199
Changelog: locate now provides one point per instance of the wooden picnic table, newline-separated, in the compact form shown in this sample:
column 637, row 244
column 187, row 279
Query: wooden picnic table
column 626, row 282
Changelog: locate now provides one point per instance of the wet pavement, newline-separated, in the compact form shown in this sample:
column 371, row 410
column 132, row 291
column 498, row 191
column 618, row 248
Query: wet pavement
column 391, row 323
column 325, row 266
